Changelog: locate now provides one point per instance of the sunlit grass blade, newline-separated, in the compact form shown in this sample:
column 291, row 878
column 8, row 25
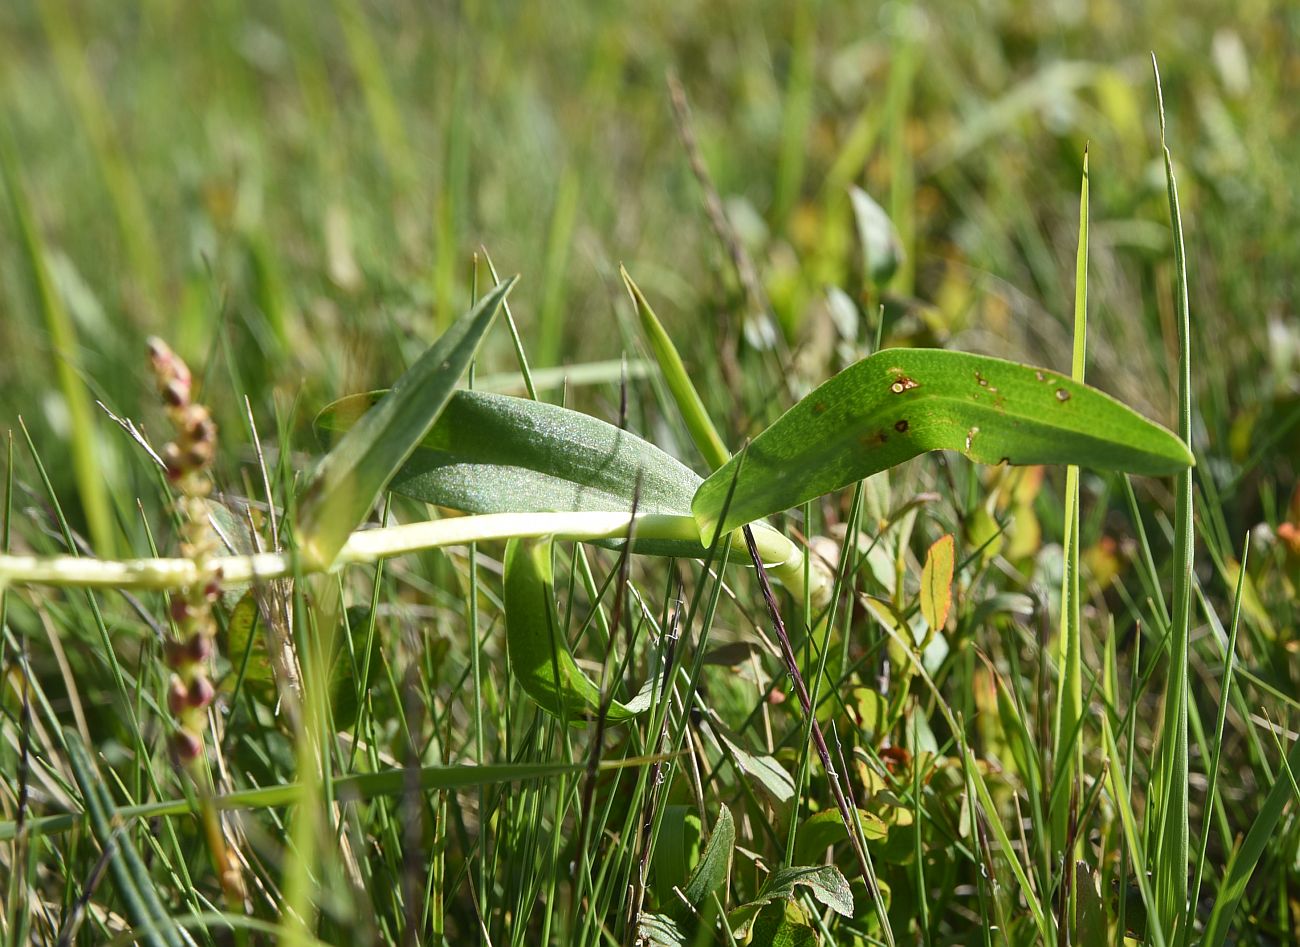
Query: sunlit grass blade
column 899, row 403
column 1068, row 758
column 353, row 475
column 698, row 423
column 1170, row 859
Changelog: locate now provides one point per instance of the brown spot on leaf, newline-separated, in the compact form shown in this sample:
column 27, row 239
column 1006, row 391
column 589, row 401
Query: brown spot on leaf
column 901, row 426
column 1062, row 395
column 819, row 408
column 902, row 383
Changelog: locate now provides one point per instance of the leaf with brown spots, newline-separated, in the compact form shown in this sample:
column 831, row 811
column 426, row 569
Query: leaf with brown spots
column 990, row 410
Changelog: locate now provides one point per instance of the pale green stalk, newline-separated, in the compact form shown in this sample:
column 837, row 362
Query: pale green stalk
column 781, row 557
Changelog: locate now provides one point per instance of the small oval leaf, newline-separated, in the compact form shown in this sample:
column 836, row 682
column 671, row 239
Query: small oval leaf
column 899, row 403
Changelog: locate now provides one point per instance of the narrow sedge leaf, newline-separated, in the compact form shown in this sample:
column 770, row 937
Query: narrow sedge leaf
column 539, row 654
column 497, row 454
column 1169, row 792
column 703, row 433
column 1069, row 706
column 134, row 883
column 899, row 403
column 715, row 863
column 936, row 583
column 354, row 474
column 388, row 782
column 1245, row 859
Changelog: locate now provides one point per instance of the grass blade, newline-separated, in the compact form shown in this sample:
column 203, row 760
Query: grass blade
column 1068, row 755
column 1225, row 689
column 1171, row 856
column 129, row 872
column 698, row 423
column 355, row 473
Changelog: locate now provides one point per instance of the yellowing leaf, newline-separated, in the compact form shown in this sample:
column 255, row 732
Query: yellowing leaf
column 936, row 583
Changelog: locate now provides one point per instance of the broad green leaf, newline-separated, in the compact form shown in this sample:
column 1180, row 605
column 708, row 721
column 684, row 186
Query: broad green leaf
column 539, row 654
column 1093, row 923
column 826, row 883
column 899, row 403
column 661, row 930
column 492, row 453
column 936, row 583
column 711, row 872
column 819, row 832
column 703, row 433
column 349, row 658
column 355, row 472
column 783, row 924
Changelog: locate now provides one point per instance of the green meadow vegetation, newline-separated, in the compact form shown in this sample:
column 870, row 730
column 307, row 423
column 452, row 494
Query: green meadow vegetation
column 670, row 474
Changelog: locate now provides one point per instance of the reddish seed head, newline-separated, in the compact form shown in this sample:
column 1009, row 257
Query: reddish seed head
column 198, row 648
column 199, row 456
column 185, row 747
column 201, row 691
column 177, row 698
column 179, row 608
column 175, row 393
column 213, row 589
column 175, row 654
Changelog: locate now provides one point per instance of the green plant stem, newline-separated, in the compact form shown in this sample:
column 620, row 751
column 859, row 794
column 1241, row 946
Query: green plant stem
column 782, row 558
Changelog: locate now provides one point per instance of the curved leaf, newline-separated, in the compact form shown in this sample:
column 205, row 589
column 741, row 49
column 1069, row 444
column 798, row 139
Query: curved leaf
column 899, row 403
column 352, row 476
column 492, row 453
column 715, row 863
column 539, row 654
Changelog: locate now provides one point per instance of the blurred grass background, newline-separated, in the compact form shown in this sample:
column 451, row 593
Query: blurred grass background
column 291, row 193
column 299, row 187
